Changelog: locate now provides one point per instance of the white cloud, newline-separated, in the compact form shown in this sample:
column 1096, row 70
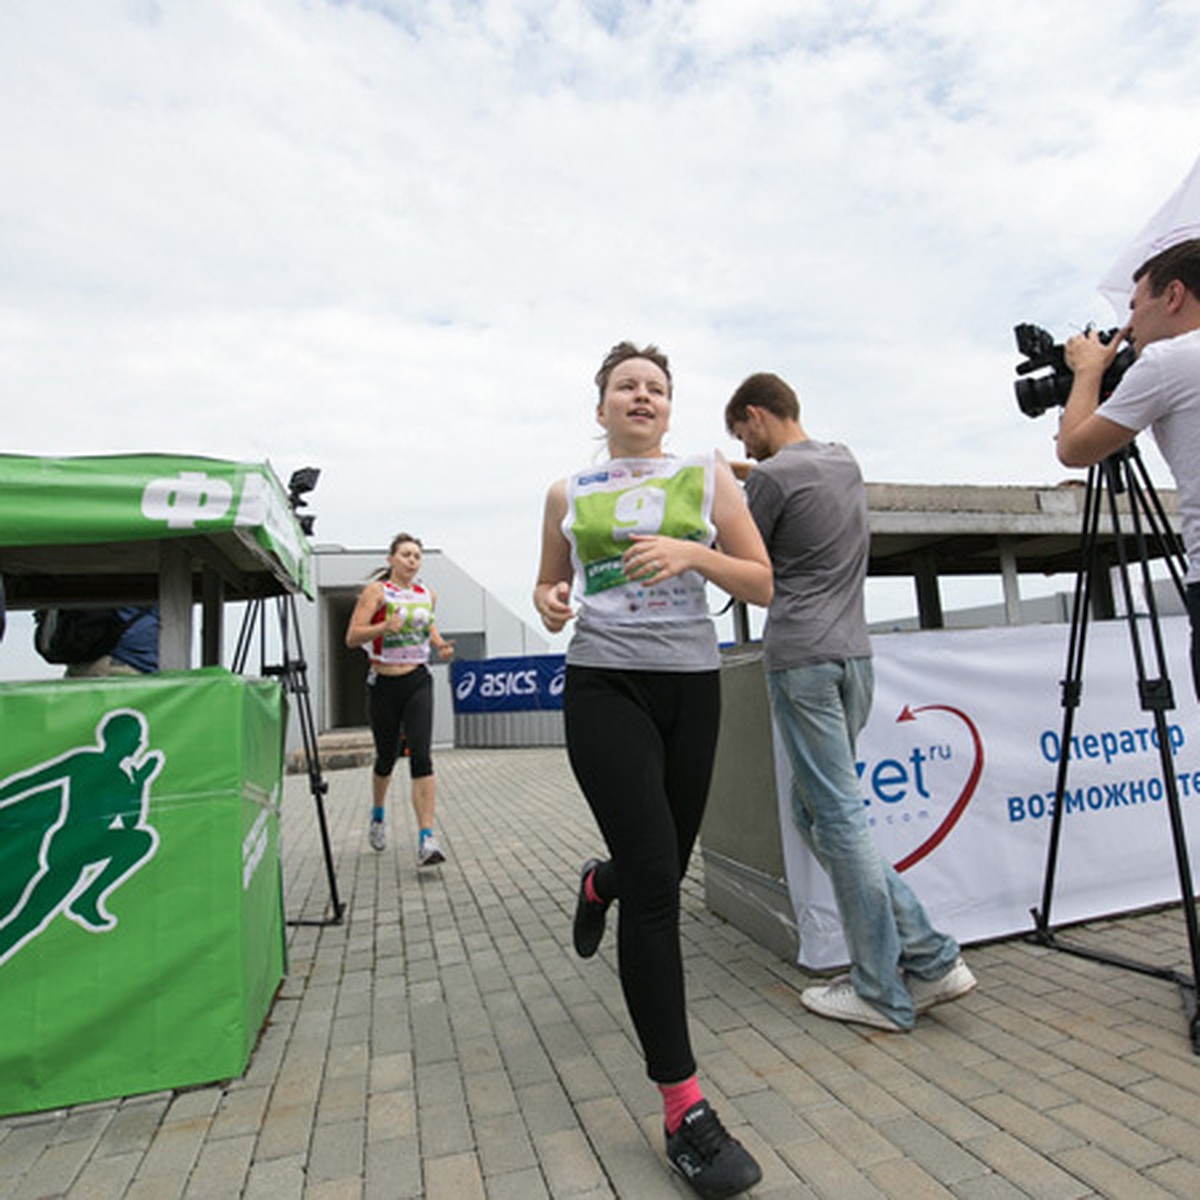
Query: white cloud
column 394, row 240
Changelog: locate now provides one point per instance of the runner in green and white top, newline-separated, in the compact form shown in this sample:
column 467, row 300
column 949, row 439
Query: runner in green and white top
column 627, row 550
column 625, row 622
column 393, row 623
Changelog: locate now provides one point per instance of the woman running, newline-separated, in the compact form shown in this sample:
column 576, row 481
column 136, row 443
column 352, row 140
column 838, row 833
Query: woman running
column 393, row 623
column 639, row 536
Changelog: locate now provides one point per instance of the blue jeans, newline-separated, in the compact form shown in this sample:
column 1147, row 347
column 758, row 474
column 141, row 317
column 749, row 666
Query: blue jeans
column 820, row 710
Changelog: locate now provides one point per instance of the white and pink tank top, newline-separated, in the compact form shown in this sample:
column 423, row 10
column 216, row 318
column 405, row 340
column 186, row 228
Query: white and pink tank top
column 408, row 646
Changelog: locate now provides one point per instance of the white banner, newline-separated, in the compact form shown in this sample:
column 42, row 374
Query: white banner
column 1177, row 221
column 958, row 765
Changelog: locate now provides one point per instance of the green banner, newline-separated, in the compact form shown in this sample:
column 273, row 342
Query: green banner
column 68, row 501
column 141, row 927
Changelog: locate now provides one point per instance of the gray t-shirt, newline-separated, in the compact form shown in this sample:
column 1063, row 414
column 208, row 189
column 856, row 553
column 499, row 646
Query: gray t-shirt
column 810, row 505
column 1162, row 390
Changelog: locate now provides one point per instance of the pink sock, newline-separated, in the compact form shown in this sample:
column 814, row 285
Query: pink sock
column 677, row 1099
column 589, row 889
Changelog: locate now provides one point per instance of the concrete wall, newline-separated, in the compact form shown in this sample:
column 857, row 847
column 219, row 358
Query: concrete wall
column 744, row 878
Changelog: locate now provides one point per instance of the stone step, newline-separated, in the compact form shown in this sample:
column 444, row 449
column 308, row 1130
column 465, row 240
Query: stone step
column 337, row 750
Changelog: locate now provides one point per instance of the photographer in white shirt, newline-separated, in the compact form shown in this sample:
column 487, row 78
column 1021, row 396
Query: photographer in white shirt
column 1160, row 391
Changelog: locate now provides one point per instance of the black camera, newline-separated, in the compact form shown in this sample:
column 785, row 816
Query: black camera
column 1052, row 385
column 301, row 483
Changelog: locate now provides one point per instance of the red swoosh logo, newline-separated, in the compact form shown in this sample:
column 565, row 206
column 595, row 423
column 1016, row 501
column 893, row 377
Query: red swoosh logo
column 951, row 818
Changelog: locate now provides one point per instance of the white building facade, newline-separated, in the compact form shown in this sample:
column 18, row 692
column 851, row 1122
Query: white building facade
column 467, row 613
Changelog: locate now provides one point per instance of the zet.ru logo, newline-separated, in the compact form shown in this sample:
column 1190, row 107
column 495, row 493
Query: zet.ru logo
column 916, row 795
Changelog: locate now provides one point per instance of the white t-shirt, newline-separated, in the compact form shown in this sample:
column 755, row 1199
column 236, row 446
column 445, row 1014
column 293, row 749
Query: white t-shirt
column 1162, row 390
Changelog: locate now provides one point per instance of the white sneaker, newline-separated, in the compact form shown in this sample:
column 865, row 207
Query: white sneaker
column 429, row 853
column 840, row 1002
column 957, row 981
column 377, row 835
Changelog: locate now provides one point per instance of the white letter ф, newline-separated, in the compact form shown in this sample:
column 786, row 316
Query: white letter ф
column 184, row 501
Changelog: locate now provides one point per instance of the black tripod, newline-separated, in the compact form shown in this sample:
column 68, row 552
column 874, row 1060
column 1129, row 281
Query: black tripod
column 1124, row 472
column 292, row 672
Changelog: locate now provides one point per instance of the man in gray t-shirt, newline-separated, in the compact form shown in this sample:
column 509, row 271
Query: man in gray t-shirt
column 809, row 502
column 809, row 496
column 1161, row 390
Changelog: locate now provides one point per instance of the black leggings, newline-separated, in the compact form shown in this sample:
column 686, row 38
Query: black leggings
column 402, row 701
column 641, row 744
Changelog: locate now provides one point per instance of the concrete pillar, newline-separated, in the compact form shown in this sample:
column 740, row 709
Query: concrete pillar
column 741, row 623
column 174, row 607
column 929, row 598
column 1011, row 583
column 212, row 624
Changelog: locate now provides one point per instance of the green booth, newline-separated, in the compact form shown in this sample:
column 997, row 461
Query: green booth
column 141, row 915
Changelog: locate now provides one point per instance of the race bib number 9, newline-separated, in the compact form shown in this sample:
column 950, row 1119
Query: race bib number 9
column 605, row 521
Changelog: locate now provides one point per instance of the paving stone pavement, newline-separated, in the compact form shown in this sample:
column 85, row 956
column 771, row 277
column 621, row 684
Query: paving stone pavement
column 444, row 1042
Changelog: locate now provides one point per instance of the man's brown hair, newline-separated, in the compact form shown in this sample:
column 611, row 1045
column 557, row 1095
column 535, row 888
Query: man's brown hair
column 763, row 390
column 1181, row 261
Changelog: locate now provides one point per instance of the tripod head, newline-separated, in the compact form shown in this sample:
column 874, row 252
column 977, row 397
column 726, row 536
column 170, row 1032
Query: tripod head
column 1115, row 466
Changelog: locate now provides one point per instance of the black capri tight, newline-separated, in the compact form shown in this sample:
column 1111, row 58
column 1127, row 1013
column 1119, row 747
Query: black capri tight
column 402, row 701
column 641, row 744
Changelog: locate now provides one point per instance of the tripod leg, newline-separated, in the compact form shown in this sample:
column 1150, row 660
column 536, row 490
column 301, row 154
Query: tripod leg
column 296, row 674
column 1156, row 697
column 1148, row 500
column 1072, row 689
column 1186, row 886
column 293, row 678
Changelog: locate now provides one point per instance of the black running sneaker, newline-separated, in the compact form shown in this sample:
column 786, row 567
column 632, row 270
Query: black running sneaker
column 589, row 916
column 713, row 1162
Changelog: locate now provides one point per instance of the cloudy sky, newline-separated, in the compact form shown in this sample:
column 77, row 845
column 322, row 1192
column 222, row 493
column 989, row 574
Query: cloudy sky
column 393, row 240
